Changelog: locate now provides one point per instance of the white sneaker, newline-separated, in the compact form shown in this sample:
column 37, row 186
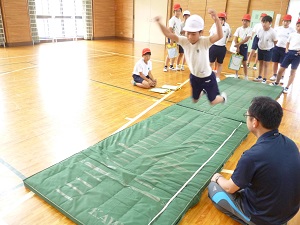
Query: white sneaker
column 218, row 79
column 236, row 76
column 273, row 78
column 172, row 68
column 165, row 69
column 257, row 79
column 264, row 81
column 182, row 67
column 285, row 90
column 246, row 77
column 281, row 80
column 224, row 95
column 133, row 82
column 273, row 84
column 254, row 67
column 178, row 68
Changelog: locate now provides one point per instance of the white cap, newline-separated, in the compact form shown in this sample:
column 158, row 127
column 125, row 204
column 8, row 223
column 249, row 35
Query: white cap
column 194, row 23
column 186, row 12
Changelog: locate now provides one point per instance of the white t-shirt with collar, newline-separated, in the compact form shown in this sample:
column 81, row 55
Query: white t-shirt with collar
column 294, row 40
column 266, row 38
column 243, row 33
column 226, row 33
column 141, row 66
column 282, row 35
column 175, row 24
column 257, row 27
column 197, row 55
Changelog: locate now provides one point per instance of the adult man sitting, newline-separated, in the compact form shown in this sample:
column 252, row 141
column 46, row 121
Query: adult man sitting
column 264, row 189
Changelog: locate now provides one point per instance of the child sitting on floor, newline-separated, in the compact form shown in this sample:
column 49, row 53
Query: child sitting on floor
column 142, row 76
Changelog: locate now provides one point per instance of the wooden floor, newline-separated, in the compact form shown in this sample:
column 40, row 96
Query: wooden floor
column 57, row 99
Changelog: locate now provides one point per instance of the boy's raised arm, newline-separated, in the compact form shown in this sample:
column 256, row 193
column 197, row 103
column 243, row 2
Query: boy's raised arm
column 165, row 30
column 219, row 33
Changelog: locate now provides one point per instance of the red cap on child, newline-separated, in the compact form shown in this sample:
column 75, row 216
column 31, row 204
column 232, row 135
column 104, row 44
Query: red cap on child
column 222, row 15
column 176, row 6
column 287, row 17
column 263, row 15
column 247, row 17
column 146, row 50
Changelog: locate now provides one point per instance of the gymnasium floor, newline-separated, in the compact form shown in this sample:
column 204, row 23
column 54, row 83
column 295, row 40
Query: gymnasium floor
column 57, row 99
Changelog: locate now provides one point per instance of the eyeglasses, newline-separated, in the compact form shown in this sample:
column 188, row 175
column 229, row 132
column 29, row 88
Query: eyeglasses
column 245, row 115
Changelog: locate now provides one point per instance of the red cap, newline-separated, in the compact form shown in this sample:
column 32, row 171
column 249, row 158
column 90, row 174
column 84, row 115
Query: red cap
column 222, row 15
column 176, row 6
column 298, row 21
column 247, row 17
column 263, row 15
column 146, row 50
column 287, row 17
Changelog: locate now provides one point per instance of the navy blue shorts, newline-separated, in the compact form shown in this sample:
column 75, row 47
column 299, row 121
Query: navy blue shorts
column 180, row 49
column 244, row 51
column 138, row 79
column 291, row 58
column 218, row 53
column 208, row 84
column 278, row 54
column 255, row 43
column 265, row 55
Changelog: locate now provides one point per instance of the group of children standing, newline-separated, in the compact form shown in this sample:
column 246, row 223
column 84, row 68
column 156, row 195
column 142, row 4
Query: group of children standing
column 281, row 45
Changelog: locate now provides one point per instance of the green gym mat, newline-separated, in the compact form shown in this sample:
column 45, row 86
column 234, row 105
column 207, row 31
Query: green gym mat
column 240, row 93
column 154, row 171
column 150, row 173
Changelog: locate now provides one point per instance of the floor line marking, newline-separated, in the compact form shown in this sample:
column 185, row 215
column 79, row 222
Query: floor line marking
column 120, row 54
column 148, row 109
column 12, row 189
column 25, row 68
column 15, row 205
column 12, row 169
column 14, row 57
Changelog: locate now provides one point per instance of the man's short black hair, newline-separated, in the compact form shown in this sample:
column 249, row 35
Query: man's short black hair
column 268, row 111
column 267, row 19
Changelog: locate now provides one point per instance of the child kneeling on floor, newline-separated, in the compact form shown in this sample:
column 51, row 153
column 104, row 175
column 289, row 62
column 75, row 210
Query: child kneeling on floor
column 142, row 76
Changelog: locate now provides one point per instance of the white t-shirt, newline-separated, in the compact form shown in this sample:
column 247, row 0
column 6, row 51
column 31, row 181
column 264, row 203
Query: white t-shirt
column 175, row 24
column 197, row 55
column 282, row 35
column 141, row 66
column 226, row 33
column 242, row 33
column 294, row 40
column 257, row 27
column 266, row 39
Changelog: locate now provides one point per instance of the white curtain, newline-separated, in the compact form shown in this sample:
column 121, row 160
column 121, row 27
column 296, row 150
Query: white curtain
column 61, row 19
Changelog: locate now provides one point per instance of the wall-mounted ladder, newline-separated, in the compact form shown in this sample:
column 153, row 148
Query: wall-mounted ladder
column 2, row 33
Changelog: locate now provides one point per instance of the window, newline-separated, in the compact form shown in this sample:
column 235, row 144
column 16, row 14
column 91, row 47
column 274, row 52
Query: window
column 59, row 19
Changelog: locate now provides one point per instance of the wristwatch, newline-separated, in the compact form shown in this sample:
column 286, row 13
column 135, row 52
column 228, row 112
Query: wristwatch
column 217, row 178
